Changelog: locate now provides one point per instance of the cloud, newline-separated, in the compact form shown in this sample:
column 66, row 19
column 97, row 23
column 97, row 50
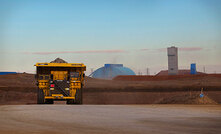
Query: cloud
column 77, row 52
column 161, row 49
column 190, row 48
column 144, row 49
column 185, row 49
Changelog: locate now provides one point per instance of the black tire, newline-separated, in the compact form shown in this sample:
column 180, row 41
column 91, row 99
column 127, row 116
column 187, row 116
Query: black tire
column 70, row 102
column 49, row 101
column 78, row 96
column 40, row 97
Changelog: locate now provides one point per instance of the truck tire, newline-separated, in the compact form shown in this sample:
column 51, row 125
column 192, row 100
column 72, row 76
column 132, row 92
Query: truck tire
column 40, row 97
column 70, row 102
column 78, row 96
column 49, row 101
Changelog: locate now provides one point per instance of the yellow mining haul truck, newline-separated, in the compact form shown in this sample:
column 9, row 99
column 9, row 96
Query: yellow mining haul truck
column 60, row 81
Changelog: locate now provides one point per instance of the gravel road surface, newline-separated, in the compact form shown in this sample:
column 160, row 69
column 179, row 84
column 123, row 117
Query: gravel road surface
column 110, row 119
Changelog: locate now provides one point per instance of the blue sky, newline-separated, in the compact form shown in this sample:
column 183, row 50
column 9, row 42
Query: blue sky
column 132, row 32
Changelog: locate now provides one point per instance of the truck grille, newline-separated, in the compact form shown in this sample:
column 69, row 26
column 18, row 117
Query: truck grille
column 59, row 87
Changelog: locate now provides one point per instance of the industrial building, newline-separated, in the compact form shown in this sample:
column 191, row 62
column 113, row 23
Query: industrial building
column 110, row 71
column 180, row 72
column 193, row 68
column 191, row 71
column 172, row 53
column 4, row 73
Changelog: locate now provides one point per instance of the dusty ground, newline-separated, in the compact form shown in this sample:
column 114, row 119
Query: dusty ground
column 108, row 119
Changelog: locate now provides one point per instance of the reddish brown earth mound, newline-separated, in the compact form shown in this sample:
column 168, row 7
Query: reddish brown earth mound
column 187, row 99
column 21, row 89
column 164, row 77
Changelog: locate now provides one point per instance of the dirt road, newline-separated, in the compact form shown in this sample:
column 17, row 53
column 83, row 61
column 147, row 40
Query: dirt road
column 108, row 119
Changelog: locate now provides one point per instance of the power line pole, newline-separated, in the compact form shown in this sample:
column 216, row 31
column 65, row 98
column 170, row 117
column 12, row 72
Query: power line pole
column 148, row 71
column 139, row 72
column 92, row 70
column 204, row 69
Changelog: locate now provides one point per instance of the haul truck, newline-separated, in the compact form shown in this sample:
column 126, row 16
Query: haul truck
column 60, row 81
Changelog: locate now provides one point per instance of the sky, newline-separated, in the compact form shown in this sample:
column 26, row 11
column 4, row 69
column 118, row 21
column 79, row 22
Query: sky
column 135, row 33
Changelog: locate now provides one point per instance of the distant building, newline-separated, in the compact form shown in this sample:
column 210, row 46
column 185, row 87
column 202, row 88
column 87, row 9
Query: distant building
column 110, row 71
column 172, row 53
column 180, row 72
column 193, row 68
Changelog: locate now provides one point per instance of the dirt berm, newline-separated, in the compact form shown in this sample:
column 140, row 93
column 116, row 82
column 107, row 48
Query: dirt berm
column 21, row 89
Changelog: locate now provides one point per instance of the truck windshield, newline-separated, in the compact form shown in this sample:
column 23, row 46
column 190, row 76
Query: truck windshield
column 44, row 77
column 74, row 74
column 41, row 77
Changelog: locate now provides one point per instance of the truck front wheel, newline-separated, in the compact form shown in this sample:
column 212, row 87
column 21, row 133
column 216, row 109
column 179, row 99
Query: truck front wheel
column 70, row 102
column 78, row 96
column 40, row 97
column 49, row 101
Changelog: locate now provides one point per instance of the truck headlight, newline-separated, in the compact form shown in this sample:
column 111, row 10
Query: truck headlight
column 66, row 88
column 51, row 88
